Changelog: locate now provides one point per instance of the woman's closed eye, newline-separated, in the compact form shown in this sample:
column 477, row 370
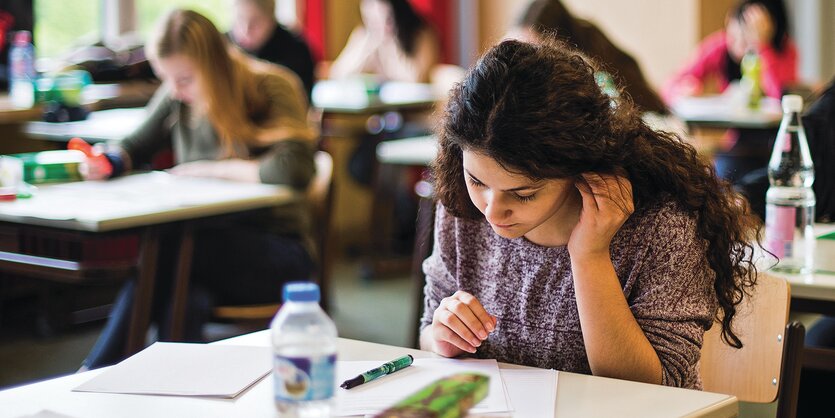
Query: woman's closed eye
column 520, row 197
column 524, row 198
column 474, row 182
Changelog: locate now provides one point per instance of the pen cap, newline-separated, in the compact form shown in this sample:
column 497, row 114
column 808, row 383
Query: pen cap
column 301, row 292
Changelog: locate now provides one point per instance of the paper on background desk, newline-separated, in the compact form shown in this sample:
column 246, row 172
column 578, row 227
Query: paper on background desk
column 377, row 395
column 127, row 196
column 186, row 370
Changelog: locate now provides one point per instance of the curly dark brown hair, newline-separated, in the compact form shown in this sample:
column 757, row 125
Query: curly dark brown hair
column 537, row 110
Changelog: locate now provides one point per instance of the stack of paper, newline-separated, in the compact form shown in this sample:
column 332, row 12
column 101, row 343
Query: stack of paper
column 186, row 370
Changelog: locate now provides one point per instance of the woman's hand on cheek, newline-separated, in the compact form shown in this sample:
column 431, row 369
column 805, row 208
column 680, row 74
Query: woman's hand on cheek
column 758, row 24
column 607, row 204
column 460, row 324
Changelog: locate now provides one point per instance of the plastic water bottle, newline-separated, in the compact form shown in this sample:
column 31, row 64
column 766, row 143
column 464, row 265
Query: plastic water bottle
column 304, row 350
column 751, row 69
column 790, row 201
column 22, row 70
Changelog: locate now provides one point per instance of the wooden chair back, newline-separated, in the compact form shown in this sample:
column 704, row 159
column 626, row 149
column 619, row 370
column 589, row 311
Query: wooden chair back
column 767, row 367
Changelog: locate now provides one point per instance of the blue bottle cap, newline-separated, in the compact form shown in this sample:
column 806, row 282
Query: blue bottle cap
column 301, row 292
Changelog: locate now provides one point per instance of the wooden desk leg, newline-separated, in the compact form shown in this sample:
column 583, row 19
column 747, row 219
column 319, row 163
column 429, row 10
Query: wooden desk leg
column 143, row 298
column 180, row 291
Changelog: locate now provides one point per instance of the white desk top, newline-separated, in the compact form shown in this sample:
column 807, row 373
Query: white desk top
column 352, row 96
column 821, row 284
column 138, row 200
column 419, row 151
column 720, row 112
column 100, row 126
column 577, row 395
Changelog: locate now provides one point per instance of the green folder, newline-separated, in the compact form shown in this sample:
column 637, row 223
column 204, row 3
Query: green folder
column 450, row 397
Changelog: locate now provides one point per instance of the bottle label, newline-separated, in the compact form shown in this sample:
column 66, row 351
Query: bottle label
column 779, row 230
column 787, row 142
column 304, row 378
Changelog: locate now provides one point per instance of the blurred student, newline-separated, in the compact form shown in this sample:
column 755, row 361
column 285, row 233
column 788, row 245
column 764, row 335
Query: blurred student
column 552, row 18
column 225, row 116
column 393, row 42
column 569, row 234
column 752, row 25
column 257, row 32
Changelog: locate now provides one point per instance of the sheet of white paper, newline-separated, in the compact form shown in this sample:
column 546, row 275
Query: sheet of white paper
column 186, row 370
column 533, row 393
column 46, row 414
column 375, row 396
column 133, row 195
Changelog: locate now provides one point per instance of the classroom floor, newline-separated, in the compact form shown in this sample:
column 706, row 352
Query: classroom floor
column 358, row 307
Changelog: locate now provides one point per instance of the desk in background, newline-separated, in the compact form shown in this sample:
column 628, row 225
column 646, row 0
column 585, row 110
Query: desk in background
column 577, row 395
column 86, row 218
column 719, row 112
column 349, row 116
column 100, row 126
column 815, row 293
column 94, row 97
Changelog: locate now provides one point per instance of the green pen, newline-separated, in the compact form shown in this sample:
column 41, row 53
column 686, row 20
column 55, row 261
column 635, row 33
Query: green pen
column 387, row 368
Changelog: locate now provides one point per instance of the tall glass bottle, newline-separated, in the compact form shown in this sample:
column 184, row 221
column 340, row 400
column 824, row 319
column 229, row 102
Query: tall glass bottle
column 790, row 200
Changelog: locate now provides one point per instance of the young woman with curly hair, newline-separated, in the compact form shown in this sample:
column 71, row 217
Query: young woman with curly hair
column 569, row 235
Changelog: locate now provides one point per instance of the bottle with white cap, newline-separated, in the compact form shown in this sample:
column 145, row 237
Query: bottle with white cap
column 304, row 351
column 22, row 70
column 790, row 200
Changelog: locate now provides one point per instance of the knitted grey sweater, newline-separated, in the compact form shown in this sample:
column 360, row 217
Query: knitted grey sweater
column 657, row 255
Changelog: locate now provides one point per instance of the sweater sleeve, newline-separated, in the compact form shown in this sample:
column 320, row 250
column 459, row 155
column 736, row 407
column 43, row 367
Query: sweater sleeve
column 439, row 267
column 288, row 162
column 674, row 301
column 155, row 131
column 289, row 159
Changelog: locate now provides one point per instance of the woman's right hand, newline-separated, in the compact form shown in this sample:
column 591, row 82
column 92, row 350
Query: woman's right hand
column 459, row 325
column 95, row 165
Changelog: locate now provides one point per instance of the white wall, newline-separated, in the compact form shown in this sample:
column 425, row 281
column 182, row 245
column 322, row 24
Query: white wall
column 811, row 23
column 660, row 34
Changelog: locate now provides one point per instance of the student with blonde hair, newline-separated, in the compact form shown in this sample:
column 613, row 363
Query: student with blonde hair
column 225, row 116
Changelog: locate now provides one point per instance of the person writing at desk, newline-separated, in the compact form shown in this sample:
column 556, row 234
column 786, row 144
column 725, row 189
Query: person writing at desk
column 570, row 235
column 759, row 27
column 225, row 116
column 394, row 42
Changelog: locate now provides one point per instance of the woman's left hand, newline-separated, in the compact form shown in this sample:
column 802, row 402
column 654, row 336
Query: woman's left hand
column 607, row 204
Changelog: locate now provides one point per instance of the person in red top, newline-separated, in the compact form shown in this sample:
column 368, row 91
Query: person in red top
column 760, row 25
